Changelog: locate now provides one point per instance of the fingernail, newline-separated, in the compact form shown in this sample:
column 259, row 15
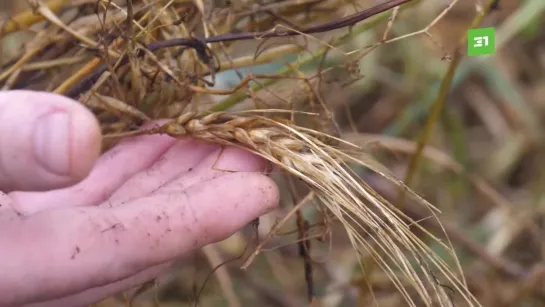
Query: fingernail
column 52, row 141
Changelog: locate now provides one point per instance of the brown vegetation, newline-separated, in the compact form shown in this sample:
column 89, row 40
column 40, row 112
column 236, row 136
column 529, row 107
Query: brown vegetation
column 349, row 232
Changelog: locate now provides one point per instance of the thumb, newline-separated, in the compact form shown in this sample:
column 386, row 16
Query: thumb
column 47, row 141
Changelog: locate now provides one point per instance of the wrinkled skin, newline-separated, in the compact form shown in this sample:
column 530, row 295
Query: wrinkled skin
column 76, row 227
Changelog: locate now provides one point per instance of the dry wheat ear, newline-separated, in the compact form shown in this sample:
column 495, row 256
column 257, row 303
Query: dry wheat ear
column 375, row 226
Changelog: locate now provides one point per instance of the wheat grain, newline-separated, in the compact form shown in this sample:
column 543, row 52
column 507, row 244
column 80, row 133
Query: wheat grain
column 374, row 226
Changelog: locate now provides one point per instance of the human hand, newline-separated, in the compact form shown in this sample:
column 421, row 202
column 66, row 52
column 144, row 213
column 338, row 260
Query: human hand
column 76, row 228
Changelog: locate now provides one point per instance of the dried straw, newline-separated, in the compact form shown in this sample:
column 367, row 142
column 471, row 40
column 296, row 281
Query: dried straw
column 374, row 226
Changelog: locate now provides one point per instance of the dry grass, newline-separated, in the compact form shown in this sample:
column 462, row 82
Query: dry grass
column 113, row 57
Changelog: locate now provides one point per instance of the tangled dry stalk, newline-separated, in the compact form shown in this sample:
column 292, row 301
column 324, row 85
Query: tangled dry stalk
column 161, row 82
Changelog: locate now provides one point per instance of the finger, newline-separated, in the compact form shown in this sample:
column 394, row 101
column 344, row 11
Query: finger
column 93, row 295
column 46, row 141
column 202, row 163
column 93, row 246
column 183, row 156
column 111, row 171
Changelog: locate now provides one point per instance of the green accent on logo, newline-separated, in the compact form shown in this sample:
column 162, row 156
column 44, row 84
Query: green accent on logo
column 481, row 41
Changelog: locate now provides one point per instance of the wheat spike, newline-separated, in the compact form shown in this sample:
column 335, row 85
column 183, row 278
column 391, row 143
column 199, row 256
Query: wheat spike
column 374, row 226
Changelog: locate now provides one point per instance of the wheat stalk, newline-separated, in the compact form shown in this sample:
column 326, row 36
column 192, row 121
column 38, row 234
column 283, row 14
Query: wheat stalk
column 373, row 225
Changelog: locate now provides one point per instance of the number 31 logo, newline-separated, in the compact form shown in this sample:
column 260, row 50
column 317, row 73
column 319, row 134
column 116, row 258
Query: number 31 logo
column 481, row 41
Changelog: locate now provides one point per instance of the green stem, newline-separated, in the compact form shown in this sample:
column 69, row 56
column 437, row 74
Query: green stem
column 437, row 106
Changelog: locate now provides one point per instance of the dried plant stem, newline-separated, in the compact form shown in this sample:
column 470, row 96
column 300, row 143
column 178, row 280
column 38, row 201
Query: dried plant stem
column 222, row 274
column 80, row 74
column 11, row 80
column 48, row 64
column 20, row 63
column 28, row 18
column 50, row 16
column 276, row 228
